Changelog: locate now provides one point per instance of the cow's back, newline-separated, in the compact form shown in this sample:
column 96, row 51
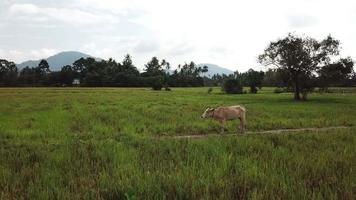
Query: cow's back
column 228, row 113
column 238, row 107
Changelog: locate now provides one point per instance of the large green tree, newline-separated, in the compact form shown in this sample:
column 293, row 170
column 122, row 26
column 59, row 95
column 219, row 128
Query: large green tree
column 301, row 57
column 128, row 66
column 336, row 74
column 42, row 71
column 67, row 75
column 8, row 73
column 253, row 79
column 126, row 73
column 155, row 67
column 155, row 73
column 43, row 66
column 188, row 75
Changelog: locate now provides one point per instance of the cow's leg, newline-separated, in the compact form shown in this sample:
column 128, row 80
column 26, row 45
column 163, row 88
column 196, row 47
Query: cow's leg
column 222, row 124
column 242, row 125
column 239, row 128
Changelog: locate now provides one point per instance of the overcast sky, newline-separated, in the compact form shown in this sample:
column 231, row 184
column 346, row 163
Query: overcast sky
column 229, row 33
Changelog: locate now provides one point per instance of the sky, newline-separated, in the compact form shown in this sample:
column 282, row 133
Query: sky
column 229, row 33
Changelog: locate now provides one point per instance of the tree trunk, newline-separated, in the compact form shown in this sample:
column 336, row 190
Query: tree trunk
column 296, row 96
column 296, row 89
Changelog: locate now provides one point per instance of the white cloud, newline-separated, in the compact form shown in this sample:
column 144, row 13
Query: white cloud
column 67, row 15
column 302, row 20
column 19, row 56
column 2, row 54
column 11, row 55
column 25, row 9
column 146, row 46
column 115, row 6
column 43, row 53
column 97, row 51
column 181, row 49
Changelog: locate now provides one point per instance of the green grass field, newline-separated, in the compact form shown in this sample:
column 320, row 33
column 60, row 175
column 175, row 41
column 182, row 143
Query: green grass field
column 103, row 143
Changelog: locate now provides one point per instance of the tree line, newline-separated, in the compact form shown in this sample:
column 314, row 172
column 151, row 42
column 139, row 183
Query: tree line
column 110, row 73
column 299, row 64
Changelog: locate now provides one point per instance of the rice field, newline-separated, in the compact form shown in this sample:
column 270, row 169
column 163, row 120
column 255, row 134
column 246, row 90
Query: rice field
column 106, row 143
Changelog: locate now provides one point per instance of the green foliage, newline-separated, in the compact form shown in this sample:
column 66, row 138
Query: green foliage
column 67, row 75
column 251, row 78
column 276, row 78
column 210, row 90
column 43, row 67
column 232, row 86
column 254, row 80
column 155, row 68
column 188, row 75
column 107, row 73
column 154, row 71
column 336, row 74
column 279, row 90
column 35, row 76
column 8, row 73
column 301, row 57
column 253, row 90
column 156, row 82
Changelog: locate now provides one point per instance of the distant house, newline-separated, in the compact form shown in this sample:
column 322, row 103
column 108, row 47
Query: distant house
column 76, row 81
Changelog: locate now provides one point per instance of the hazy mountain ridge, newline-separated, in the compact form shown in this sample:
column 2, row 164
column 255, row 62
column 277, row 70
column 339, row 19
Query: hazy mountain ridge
column 215, row 69
column 57, row 61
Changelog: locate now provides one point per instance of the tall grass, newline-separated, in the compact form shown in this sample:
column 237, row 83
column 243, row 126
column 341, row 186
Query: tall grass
column 101, row 144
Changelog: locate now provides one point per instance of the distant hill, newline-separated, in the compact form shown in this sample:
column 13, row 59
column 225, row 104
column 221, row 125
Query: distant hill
column 56, row 62
column 215, row 69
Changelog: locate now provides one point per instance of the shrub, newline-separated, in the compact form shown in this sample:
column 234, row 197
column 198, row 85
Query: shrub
column 253, row 90
column 210, row 90
column 324, row 90
column 232, row 86
column 283, row 90
column 279, row 90
column 305, row 92
column 156, row 82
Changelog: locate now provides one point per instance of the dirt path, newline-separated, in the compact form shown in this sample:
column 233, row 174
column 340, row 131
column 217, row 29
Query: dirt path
column 277, row 131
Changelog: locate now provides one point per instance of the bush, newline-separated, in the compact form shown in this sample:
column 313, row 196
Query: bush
column 283, row 90
column 324, row 90
column 279, row 90
column 232, row 86
column 210, row 90
column 305, row 92
column 156, row 82
column 253, row 90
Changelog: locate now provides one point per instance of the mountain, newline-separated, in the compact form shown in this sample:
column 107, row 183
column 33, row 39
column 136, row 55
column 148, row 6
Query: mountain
column 56, row 62
column 215, row 69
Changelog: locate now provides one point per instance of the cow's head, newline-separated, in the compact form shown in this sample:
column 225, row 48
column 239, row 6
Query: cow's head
column 208, row 113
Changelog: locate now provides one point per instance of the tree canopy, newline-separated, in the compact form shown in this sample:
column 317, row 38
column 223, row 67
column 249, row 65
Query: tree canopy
column 301, row 57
